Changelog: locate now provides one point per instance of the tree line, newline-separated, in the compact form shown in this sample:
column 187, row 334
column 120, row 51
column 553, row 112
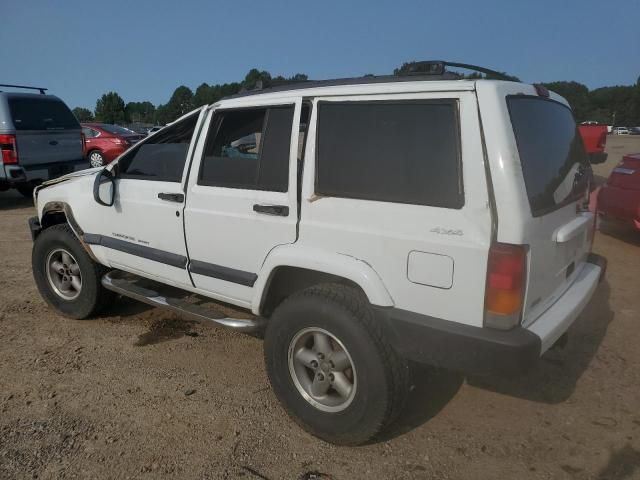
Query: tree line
column 111, row 108
column 615, row 105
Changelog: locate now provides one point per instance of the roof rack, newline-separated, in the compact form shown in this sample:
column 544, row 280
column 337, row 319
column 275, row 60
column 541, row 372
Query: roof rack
column 41, row 89
column 418, row 71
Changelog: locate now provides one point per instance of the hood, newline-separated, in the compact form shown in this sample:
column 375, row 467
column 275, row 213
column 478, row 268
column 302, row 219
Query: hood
column 64, row 178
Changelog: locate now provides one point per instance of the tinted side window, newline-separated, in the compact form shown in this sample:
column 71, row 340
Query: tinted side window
column 163, row 156
column 41, row 114
column 403, row 152
column 249, row 148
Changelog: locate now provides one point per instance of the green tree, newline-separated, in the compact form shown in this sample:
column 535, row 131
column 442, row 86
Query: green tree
column 577, row 95
column 256, row 78
column 181, row 102
column 83, row 114
column 162, row 116
column 110, row 108
column 616, row 103
column 143, row 112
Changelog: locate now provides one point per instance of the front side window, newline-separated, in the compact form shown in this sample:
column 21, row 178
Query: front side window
column 163, row 156
column 390, row 151
column 249, row 149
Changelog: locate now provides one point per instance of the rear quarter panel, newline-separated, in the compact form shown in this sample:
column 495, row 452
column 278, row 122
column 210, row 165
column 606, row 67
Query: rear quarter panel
column 386, row 236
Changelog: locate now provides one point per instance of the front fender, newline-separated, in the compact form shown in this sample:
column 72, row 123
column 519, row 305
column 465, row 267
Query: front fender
column 339, row 264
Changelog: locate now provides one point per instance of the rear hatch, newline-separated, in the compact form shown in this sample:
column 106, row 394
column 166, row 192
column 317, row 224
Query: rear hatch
column 46, row 130
column 556, row 175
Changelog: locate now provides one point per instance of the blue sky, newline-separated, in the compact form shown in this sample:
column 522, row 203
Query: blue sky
column 145, row 49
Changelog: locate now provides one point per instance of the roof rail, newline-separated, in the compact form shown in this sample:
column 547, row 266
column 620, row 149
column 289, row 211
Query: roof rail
column 41, row 89
column 438, row 67
column 417, row 71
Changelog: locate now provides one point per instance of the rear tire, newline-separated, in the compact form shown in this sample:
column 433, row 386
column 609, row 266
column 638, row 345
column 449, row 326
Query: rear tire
column 66, row 276
column 96, row 159
column 377, row 381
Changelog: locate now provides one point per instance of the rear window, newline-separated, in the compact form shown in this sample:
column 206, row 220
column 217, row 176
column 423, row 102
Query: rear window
column 554, row 163
column 115, row 129
column 390, row 151
column 41, row 114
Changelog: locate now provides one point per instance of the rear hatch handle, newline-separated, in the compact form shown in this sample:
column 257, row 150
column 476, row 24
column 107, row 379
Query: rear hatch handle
column 573, row 228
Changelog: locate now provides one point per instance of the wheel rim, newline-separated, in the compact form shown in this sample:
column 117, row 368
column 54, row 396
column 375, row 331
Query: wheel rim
column 63, row 273
column 322, row 369
column 95, row 159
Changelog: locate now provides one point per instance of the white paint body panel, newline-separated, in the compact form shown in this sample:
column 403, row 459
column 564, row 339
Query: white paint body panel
column 223, row 229
column 427, row 260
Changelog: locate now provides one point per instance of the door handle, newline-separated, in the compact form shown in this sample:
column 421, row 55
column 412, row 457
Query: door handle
column 172, row 197
column 279, row 210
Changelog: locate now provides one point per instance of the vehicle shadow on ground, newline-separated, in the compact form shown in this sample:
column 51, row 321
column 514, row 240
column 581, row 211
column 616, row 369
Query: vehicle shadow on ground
column 12, row 200
column 124, row 307
column 433, row 389
column 553, row 379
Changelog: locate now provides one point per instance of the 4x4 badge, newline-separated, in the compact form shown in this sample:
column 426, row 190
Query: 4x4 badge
column 446, row 231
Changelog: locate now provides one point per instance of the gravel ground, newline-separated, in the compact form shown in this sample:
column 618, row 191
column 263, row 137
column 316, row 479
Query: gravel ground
column 140, row 393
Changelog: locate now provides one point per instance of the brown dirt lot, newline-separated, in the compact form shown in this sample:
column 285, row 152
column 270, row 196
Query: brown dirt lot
column 89, row 399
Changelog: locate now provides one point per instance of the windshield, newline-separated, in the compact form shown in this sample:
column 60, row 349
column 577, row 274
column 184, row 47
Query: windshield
column 554, row 163
column 115, row 129
column 41, row 114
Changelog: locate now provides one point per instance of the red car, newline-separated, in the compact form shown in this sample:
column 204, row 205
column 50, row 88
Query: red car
column 619, row 198
column 104, row 142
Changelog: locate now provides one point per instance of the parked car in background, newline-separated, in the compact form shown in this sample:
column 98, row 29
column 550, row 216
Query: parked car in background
column 154, row 129
column 620, row 131
column 105, row 142
column 619, row 197
column 40, row 139
column 594, row 137
column 634, row 131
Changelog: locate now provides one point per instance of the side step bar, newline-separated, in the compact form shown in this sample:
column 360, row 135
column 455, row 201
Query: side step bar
column 159, row 295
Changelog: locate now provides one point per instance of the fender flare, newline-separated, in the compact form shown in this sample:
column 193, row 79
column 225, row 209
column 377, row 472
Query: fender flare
column 340, row 264
column 63, row 207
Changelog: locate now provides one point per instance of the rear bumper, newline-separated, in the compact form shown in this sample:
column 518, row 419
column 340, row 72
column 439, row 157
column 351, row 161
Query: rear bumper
column 14, row 175
column 485, row 351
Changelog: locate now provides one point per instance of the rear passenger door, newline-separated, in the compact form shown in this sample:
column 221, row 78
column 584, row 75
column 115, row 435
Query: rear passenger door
column 242, row 196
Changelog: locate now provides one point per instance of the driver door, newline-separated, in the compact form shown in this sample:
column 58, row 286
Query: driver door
column 143, row 232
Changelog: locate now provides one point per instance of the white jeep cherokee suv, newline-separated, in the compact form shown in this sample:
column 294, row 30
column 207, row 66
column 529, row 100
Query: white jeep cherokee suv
column 362, row 223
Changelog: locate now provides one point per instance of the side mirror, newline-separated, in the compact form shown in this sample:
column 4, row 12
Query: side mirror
column 104, row 188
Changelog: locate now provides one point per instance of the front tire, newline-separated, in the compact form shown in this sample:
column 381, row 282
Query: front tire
column 67, row 278
column 330, row 366
column 96, row 159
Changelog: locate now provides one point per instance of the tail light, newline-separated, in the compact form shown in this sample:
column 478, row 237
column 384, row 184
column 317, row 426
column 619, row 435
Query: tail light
column 118, row 141
column 9, row 149
column 504, row 295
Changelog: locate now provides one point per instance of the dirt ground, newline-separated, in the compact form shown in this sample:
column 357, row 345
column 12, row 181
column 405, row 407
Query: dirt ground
column 140, row 393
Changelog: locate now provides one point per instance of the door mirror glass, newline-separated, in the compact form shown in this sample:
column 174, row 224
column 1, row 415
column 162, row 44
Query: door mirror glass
column 104, row 188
